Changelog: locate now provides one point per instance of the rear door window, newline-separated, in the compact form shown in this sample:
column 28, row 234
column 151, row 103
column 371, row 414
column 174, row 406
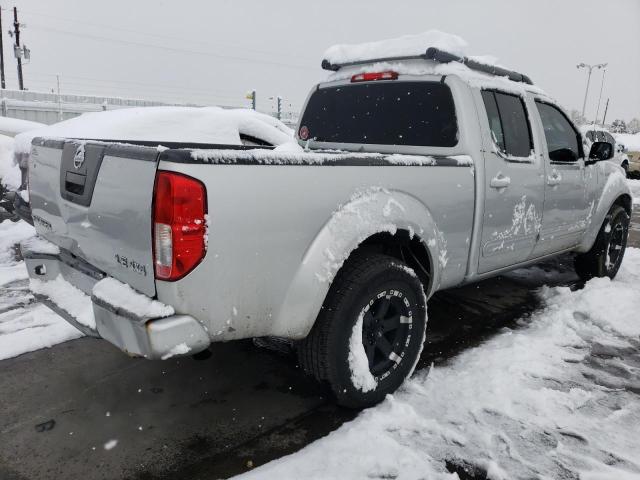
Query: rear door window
column 383, row 113
column 509, row 123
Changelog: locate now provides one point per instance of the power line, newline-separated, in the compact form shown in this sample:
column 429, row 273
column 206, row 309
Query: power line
column 174, row 49
column 168, row 37
column 131, row 82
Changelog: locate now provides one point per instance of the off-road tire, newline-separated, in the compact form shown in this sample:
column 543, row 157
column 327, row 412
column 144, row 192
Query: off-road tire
column 324, row 354
column 612, row 235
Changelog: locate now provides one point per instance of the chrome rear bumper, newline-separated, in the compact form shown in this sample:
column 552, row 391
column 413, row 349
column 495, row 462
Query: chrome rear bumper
column 138, row 336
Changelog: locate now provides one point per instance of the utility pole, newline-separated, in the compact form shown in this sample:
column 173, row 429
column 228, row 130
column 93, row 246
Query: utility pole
column 605, row 112
column 59, row 99
column 18, row 52
column 604, row 72
column 590, row 68
column 1, row 55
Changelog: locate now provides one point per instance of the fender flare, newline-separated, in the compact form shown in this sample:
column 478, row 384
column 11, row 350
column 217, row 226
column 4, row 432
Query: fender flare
column 368, row 212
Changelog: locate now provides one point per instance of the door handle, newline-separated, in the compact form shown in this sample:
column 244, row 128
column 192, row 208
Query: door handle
column 554, row 179
column 500, row 181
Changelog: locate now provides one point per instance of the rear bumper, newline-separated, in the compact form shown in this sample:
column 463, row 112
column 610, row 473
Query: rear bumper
column 65, row 284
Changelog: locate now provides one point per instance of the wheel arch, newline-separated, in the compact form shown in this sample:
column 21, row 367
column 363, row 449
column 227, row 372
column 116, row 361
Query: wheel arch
column 380, row 220
column 615, row 192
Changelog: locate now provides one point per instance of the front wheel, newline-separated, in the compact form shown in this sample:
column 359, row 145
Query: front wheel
column 605, row 257
column 369, row 333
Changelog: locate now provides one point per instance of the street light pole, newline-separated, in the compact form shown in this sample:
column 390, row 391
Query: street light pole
column 604, row 72
column 590, row 69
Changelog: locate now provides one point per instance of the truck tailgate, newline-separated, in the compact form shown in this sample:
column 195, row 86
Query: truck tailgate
column 94, row 199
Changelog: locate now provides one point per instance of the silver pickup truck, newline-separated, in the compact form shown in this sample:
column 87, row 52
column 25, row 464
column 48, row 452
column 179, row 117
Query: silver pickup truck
column 401, row 184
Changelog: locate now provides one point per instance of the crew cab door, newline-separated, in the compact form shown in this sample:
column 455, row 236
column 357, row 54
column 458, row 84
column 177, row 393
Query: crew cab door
column 513, row 193
column 566, row 208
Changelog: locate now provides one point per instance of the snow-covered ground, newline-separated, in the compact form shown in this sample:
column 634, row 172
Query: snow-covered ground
column 24, row 326
column 557, row 397
column 634, row 185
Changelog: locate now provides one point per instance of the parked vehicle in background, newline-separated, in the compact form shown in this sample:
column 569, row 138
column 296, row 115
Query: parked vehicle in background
column 14, row 126
column 594, row 133
column 414, row 173
column 631, row 143
column 10, row 177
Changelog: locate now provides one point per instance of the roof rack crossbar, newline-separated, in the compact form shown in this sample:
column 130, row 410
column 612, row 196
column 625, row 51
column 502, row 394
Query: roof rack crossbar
column 440, row 56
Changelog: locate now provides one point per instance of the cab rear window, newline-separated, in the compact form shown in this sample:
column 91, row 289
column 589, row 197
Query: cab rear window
column 382, row 113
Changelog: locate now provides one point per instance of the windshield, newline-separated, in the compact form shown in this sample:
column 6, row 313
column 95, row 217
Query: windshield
column 383, row 113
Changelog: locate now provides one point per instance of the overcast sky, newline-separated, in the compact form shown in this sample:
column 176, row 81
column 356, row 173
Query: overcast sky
column 213, row 52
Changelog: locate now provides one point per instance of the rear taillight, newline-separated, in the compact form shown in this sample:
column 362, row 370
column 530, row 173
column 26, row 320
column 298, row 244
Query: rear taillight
column 179, row 229
column 370, row 77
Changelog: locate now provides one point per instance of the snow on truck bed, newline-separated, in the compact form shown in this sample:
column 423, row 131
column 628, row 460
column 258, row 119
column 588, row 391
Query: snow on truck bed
column 166, row 124
column 292, row 154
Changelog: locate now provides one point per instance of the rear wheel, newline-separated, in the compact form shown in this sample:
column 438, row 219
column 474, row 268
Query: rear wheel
column 605, row 257
column 369, row 333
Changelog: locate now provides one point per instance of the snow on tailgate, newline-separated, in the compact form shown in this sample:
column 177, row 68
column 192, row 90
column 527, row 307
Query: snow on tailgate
column 556, row 397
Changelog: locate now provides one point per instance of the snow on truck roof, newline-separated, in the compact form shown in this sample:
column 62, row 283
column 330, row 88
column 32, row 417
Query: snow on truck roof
column 167, row 124
column 429, row 53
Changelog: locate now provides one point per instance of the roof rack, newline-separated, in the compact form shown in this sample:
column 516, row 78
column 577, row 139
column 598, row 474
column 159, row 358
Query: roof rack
column 439, row 56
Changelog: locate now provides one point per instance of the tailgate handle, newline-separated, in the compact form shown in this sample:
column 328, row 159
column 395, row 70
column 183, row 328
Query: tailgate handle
column 74, row 183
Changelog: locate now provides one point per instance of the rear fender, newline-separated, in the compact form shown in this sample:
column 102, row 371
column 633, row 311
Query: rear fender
column 367, row 213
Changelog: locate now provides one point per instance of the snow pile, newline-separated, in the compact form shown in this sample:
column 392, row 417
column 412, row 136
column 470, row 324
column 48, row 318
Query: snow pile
column 556, row 397
column 123, row 296
column 12, row 126
column 24, row 326
column 406, row 45
column 67, row 297
column 32, row 328
column 10, row 175
column 12, row 234
column 166, row 124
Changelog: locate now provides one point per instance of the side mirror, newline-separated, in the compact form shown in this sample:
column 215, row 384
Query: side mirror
column 600, row 151
column 564, row 155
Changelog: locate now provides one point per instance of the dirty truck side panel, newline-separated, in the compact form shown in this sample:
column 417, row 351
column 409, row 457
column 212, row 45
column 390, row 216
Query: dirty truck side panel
column 264, row 220
column 514, row 196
